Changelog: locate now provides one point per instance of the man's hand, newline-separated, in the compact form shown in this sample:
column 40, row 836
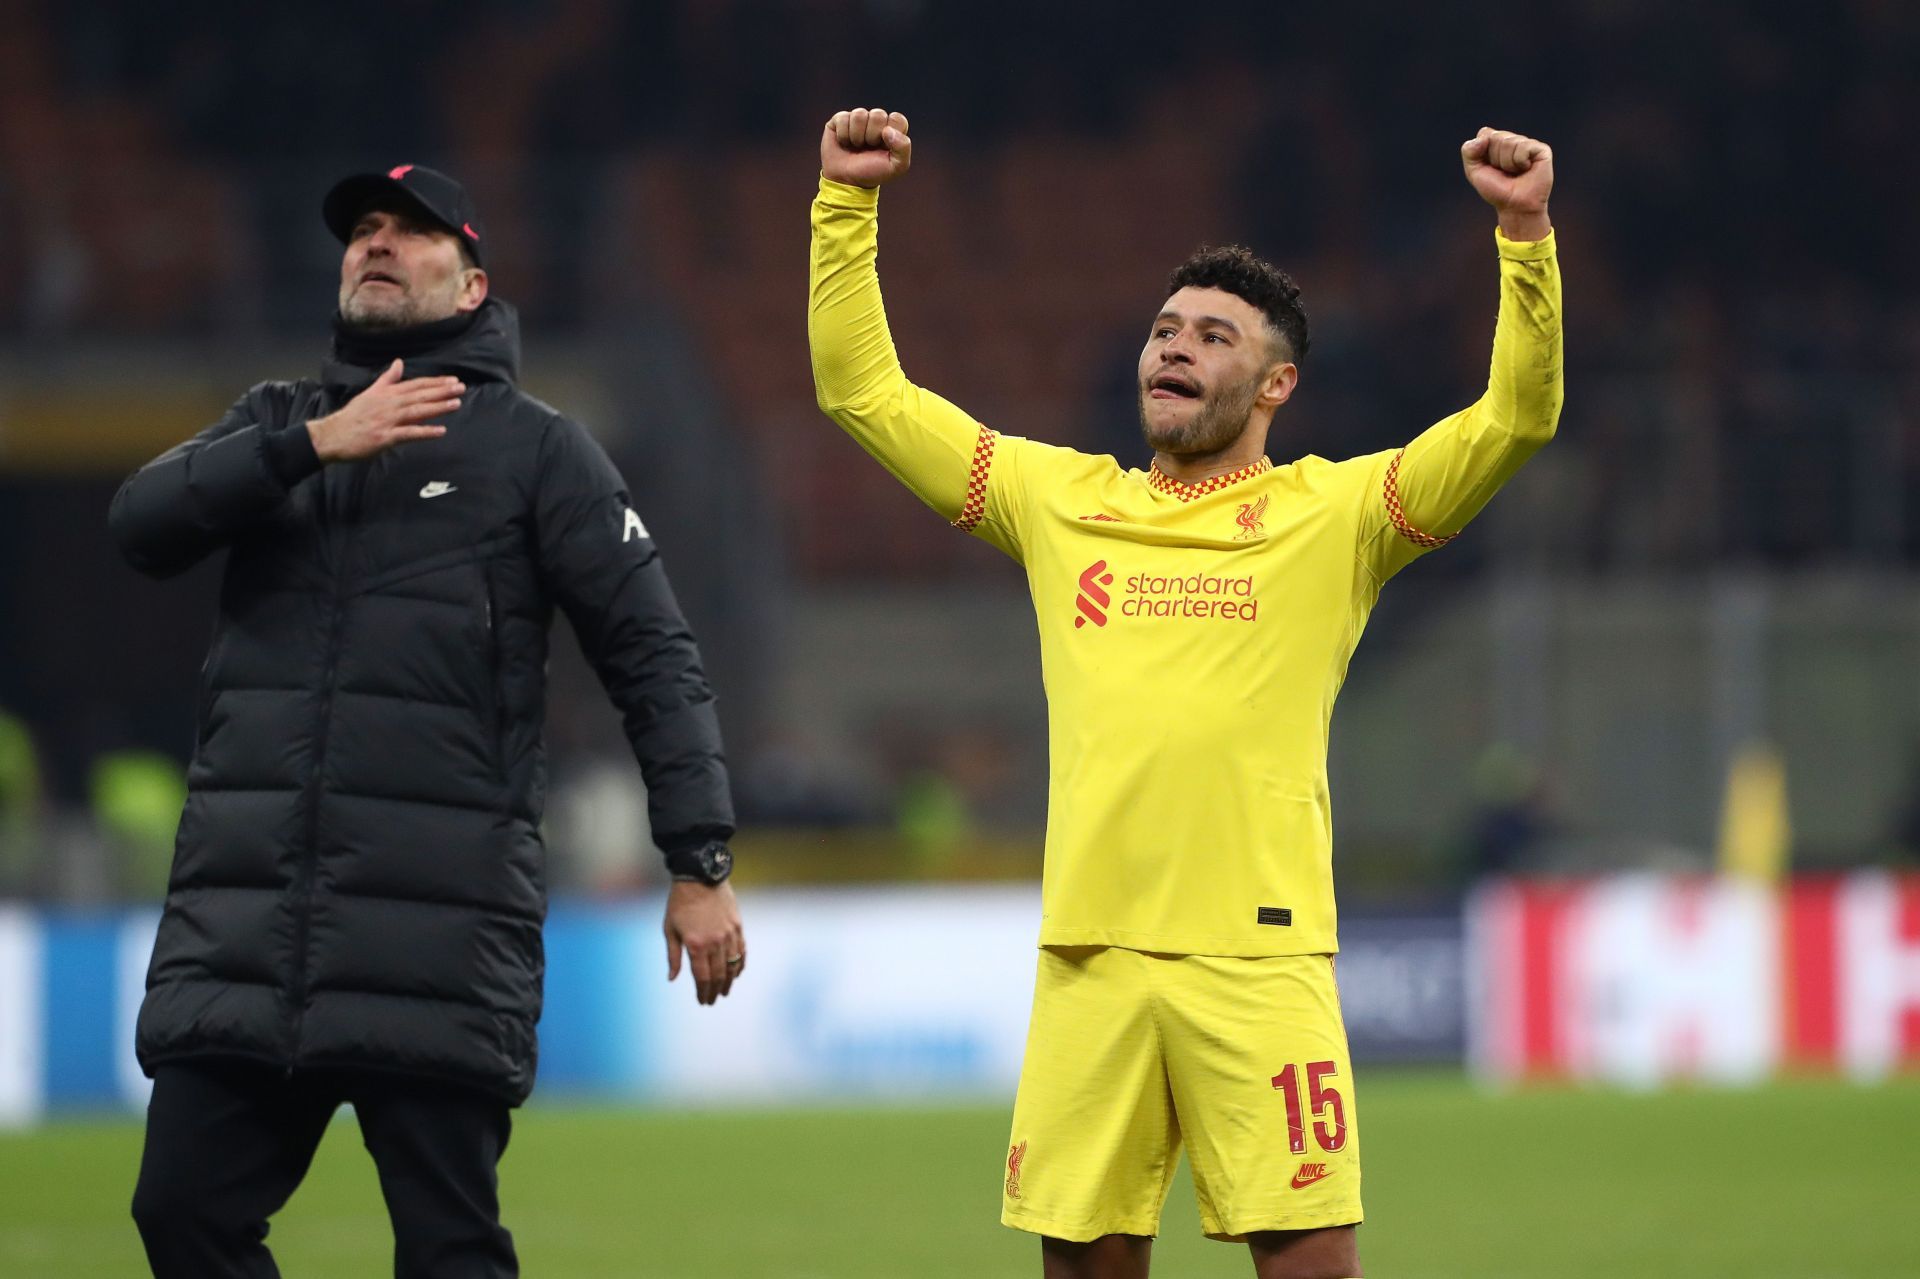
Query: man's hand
column 1514, row 174
column 387, row 413
column 705, row 920
column 865, row 148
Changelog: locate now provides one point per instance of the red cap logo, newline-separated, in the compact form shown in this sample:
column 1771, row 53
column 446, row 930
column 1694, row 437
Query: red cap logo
column 468, row 228
column 399, row 171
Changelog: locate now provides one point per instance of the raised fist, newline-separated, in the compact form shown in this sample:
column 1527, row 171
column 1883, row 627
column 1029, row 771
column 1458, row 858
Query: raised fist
column 868, row 147
column 1513, row 173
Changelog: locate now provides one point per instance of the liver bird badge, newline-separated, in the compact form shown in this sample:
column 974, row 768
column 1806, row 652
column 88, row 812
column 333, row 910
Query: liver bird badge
column 1249, row 519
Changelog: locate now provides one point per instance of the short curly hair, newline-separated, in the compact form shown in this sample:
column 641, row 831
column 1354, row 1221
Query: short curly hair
column 1234, row 269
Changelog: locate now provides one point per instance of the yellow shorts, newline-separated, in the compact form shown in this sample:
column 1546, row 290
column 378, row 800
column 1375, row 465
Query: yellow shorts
column 1129, row 1054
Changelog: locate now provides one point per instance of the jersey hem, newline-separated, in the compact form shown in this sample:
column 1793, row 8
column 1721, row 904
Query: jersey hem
column 1306, row 943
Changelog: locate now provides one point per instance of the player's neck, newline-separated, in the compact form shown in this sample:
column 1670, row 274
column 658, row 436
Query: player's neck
column 1198, row 468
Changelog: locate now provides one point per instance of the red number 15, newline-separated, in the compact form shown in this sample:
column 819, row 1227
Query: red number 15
column 1332, row 1133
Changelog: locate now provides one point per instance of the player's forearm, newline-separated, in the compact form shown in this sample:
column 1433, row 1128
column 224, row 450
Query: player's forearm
column 925, row 441
column 854, row 362
column 1423, row 495
column 1443, row 478
column 1524, row 389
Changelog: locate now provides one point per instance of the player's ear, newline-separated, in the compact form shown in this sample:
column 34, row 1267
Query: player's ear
column 1277, row 387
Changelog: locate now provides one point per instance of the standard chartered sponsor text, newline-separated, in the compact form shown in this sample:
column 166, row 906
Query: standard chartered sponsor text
column 1195, row 595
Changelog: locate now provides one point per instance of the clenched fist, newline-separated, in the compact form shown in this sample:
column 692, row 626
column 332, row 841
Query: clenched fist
column 865, row 148
column 387, row 413
column 1514, row 174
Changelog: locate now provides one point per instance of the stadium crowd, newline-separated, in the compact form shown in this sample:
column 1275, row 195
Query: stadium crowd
column 1735, row 218
column 1743, row 331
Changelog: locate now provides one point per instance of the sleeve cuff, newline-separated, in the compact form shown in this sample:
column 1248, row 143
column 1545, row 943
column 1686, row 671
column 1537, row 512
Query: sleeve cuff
column 1524, row 250
column 290, row 454
column 680, row 843
column 842, row 196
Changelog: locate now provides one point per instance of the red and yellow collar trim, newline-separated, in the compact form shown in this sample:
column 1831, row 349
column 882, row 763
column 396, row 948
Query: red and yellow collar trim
column 1161, row 482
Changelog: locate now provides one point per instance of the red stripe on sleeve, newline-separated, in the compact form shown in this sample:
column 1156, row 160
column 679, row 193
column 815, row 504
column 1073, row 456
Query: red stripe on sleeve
column 975, row 505
column 1399, row 517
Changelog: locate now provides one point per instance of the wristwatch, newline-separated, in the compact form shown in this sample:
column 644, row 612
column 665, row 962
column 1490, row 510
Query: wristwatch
column 709, row 864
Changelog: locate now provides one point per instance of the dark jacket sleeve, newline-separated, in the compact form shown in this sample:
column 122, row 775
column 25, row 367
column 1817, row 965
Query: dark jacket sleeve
column 600, row 563
column 191, row 500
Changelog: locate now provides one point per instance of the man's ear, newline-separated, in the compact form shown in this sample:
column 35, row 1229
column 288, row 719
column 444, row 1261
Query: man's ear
column 473, row 289
column 1277, row 387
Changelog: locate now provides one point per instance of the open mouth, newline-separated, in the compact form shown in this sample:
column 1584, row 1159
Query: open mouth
column 1169, row 386
column 378, row 277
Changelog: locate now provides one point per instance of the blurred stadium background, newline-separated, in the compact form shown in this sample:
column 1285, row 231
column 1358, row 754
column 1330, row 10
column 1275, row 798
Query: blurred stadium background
column 1627, row 781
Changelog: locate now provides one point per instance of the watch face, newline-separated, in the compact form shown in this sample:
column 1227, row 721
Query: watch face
column 718, row 862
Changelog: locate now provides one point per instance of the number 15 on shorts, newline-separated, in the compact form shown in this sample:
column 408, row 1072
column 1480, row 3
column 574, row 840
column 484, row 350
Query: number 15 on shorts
column 1329, row 1112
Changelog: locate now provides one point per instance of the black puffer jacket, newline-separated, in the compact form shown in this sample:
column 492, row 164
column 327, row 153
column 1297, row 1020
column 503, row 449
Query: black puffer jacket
column 359, row 877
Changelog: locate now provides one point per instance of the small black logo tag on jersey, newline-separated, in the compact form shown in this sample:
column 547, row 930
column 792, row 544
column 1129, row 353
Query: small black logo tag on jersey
column 1278, row 915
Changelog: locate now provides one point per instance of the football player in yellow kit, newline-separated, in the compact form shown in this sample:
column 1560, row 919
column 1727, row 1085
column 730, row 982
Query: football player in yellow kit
column 1196, row 619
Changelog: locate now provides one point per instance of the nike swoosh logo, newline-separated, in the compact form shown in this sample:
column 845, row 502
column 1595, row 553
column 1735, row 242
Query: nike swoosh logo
column 1303, row 1179
column 439, row 488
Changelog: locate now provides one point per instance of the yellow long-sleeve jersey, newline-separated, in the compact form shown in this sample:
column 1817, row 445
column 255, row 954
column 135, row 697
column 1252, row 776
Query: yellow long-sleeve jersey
column 1192, row 637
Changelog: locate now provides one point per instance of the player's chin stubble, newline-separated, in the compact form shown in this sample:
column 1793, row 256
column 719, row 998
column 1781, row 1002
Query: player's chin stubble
column 1220, row 421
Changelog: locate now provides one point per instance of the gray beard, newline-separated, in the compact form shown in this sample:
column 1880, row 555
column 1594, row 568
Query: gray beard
column 1222, row 419
column 381, row 319
column 406, row 313
column 377, row 321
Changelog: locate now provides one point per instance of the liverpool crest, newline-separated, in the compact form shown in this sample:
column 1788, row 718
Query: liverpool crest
column 1249, row 519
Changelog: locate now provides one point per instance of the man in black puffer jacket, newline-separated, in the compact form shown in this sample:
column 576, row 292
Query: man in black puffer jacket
column 358, row 886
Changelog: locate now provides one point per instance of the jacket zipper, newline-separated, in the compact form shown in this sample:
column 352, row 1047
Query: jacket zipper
column 323, row 723
column 310, row 854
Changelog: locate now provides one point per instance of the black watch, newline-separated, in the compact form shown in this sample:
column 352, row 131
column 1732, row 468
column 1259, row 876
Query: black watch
column 710, row 863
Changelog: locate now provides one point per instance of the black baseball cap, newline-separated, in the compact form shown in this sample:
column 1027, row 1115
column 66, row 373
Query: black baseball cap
column 428, row 192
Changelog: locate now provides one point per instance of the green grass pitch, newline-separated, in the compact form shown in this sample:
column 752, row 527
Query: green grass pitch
column 1803, row 1180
